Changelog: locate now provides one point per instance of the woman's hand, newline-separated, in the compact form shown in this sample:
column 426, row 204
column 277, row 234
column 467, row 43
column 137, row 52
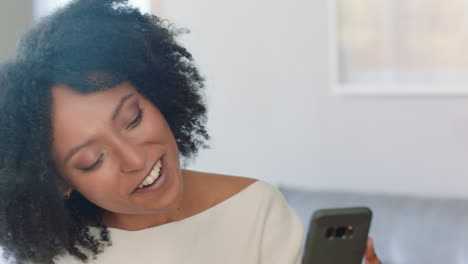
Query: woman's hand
column 369, row 255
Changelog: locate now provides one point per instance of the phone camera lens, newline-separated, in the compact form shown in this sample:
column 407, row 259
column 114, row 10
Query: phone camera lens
column 329, row 233
column 341, row 232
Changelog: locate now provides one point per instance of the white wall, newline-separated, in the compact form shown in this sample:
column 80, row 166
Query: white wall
column 15, row 18
column 272, row 115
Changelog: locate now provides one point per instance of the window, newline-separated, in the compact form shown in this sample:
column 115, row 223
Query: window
column 399, row 46
column 44, row 7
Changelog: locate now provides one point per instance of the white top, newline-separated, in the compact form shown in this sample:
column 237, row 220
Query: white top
column 254, row 226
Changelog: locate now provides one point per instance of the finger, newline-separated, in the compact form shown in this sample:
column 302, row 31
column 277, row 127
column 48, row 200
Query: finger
column 369, row 255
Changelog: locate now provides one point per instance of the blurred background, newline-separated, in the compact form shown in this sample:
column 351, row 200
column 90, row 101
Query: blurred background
column 361, row 96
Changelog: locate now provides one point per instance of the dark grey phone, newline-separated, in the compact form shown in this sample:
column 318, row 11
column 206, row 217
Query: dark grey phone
column 338, row 236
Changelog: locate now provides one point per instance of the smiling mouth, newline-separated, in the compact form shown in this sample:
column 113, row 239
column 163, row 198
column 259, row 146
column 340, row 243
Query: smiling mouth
column 152, row 176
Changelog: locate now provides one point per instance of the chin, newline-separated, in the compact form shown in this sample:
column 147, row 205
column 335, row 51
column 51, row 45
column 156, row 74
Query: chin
column 169, row 199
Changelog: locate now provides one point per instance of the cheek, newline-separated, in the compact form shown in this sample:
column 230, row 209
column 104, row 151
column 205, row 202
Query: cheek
column 102, row 184
column 155, row 125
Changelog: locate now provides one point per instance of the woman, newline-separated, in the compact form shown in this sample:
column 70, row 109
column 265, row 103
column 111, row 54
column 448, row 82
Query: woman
column 97, row 108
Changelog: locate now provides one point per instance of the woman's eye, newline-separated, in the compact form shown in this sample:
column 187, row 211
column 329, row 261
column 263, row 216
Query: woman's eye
column 94, row 165
column 137, row 119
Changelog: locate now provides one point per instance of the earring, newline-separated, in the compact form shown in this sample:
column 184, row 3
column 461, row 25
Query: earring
column 67, row 196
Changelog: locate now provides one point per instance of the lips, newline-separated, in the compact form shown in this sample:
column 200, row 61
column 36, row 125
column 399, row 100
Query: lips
column 148, row 173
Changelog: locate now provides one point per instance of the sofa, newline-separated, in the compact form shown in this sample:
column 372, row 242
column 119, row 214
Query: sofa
column 406, row 229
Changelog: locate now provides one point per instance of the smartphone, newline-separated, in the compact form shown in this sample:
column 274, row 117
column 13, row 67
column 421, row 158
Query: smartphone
column 337, row 236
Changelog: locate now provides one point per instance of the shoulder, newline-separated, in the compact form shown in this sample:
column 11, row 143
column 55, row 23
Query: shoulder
column 264, row 207
column 226, row 186
column 210, row 189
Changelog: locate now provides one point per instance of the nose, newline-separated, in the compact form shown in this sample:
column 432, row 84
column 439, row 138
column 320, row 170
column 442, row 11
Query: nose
column 132, row 156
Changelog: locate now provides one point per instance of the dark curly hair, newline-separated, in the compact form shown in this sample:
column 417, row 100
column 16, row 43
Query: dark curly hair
column 89, row 45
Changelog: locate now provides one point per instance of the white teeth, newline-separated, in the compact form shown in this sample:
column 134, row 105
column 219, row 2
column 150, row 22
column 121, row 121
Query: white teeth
column 154, row 175
column 148, row 181
column 155, row 172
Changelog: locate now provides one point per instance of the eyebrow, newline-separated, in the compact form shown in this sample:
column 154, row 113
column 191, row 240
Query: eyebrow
column 88, row 142
column 78, row 148
column 119, row 106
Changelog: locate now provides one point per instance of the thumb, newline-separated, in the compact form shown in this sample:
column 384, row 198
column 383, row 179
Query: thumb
column 369, row 254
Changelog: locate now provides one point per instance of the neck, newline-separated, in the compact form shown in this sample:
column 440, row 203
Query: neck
column 134, row 222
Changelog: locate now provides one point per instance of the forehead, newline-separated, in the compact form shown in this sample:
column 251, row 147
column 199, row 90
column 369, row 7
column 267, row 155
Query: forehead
column 64, row 97
column 77, row 117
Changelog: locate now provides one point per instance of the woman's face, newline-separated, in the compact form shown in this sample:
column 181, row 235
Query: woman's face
column 107, row 143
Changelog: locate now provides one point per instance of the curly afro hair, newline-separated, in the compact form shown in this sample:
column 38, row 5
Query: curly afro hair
column 89, row 45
